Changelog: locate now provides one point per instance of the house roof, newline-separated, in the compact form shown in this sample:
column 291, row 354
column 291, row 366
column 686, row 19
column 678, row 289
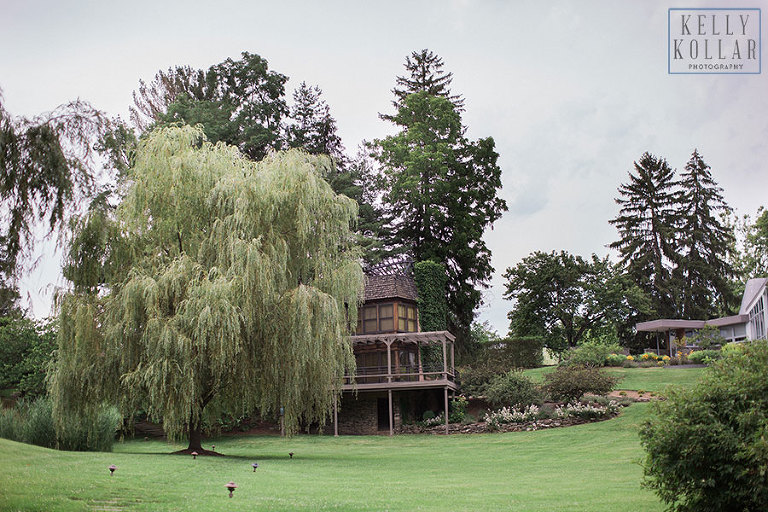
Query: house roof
column 668, row 324
column 389, row 287
column 753, row 288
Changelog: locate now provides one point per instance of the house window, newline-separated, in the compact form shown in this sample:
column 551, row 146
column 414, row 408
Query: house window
column 757, row 319
column 370, row 320
column 406, row 321
column 386, row 317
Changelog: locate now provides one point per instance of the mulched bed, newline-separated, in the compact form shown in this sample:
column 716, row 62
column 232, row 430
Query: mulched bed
column 481, row 428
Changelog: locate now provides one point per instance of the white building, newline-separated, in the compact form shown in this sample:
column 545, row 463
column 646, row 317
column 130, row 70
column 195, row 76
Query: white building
column 749, row 324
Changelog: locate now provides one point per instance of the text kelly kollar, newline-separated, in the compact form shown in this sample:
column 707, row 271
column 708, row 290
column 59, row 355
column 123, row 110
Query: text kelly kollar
column 708, row 48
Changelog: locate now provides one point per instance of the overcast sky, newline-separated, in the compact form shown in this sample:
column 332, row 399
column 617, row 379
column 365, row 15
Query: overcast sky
column 572, row 92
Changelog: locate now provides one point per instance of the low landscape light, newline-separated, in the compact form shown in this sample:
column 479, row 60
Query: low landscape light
column 254, row 466
column 194, row 455
column 290, row 454
column 231, row 486
column 213, row 447
column 112, row 469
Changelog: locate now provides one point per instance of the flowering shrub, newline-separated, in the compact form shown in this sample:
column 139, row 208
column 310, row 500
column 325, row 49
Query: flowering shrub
column 432, row 422
column 511, row 415
column 586, row 411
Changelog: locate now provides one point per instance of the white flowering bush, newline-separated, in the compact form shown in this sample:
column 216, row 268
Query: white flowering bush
column 431, row 422
column 511, row 415
column 586, row 411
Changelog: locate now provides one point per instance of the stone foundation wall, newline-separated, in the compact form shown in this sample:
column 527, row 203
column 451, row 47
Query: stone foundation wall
column 358, row 415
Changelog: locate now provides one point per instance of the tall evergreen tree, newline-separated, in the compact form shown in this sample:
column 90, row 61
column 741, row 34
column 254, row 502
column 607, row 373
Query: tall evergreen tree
column 704, row 243
column 647, row 223
column 439, row 189
column 426, row 74
column 312, row 127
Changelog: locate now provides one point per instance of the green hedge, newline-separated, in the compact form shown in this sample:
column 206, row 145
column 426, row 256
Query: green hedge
column 431, row 281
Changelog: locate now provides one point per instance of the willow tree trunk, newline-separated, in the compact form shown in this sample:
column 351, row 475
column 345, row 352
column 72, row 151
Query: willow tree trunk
column 195, row 435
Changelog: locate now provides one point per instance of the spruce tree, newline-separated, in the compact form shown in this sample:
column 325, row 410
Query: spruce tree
column 704, row 244
column 647, row 223
column 312, row 127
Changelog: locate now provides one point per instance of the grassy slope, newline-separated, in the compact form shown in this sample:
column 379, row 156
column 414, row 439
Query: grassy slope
column 589, row 467
column 648, row 379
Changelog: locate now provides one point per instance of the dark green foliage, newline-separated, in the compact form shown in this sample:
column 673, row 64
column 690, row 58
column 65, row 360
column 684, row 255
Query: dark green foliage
column 313, row 129
column 564, row 298
column 440, row 193
column 239, row 102
column 525, row 352
column 591, row 353
column 707, row 337
column 569, row 383
column 26, row 348
column 32, row 422
column 431, row 283
column 474, row 378
column 707, row 447
column 703, row 245
column 647, row 224
column 457, row 409
column 512, row 389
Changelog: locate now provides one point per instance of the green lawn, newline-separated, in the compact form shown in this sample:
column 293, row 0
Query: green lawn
column 589, row 467
column 648, row 379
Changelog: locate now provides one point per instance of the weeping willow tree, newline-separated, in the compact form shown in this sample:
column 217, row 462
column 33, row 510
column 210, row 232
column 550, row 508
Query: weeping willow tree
column 216, row 284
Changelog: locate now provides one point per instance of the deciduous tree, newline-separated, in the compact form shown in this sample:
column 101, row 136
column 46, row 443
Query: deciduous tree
column 217, row 284
column 563, row 298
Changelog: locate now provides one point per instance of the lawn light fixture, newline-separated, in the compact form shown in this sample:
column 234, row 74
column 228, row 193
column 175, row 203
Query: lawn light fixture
column 231, row 486
column 112, row 469
column 254, row 466
column 290, row 454
column 213, row 447
column 194, row 455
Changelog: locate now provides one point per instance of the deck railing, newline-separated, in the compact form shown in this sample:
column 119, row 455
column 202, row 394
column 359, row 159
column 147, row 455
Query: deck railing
column 402, row 373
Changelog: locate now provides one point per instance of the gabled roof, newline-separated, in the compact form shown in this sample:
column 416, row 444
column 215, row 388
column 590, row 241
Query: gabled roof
column 753, row 288
column 390, row 286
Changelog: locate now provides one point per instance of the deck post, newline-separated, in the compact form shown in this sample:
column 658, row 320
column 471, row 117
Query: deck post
column 421, row 367
column 446, row 408
column 335, row 416
column 389, row 362
column 453, row 363
column 391, row 427
column 445, row 363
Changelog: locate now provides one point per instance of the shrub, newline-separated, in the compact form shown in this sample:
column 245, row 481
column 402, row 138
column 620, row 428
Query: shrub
column 569, row 383
column 511, row 415
column 458, row 409
column 706, row 446
column 512, row 389
column 9, row 423
column 704, row 356
column 475, row 378
column 615, row 360
column 591, row 353
column 587, row 411
column 428, row 415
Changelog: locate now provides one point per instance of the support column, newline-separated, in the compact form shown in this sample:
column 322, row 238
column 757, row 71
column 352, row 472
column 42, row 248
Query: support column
column 336, row 416
column 421, row 366
column 658, row 349
column 389, row 361
column 391, row 426
column 445, row 362
column 453, row 362
column 446, row 407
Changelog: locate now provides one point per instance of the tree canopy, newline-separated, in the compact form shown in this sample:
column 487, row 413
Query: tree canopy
column 565, row 298
column 440, row 190
column 217, row 284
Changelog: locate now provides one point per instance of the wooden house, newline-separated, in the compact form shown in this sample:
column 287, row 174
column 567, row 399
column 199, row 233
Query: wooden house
column 401, row 371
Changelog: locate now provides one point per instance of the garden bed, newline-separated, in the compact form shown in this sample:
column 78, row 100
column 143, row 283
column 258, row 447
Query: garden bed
column 482, row 427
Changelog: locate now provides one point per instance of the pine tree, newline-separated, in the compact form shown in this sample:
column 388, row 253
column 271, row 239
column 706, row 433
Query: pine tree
column 647, row 223
column 704, row 244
